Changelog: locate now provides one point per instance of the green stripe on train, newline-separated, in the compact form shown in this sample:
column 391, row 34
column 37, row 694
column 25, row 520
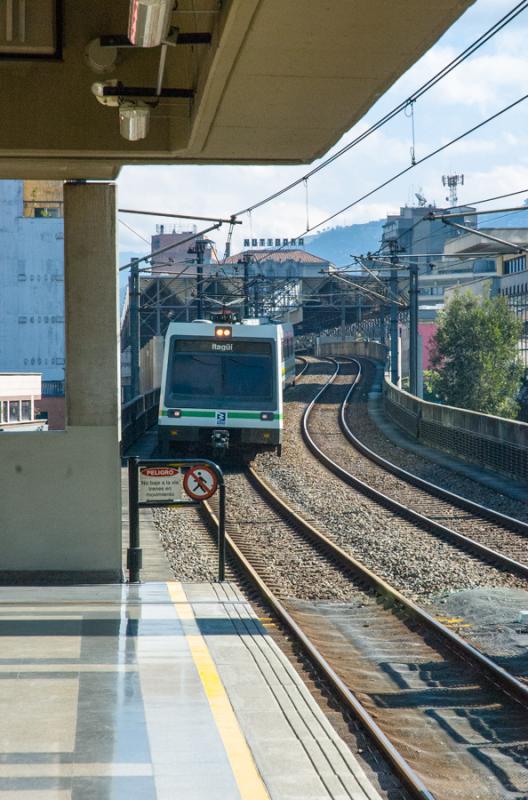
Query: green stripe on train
column 230, row 414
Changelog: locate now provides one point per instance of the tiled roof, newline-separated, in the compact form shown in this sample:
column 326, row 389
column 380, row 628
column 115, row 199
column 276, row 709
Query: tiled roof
column 280, row 256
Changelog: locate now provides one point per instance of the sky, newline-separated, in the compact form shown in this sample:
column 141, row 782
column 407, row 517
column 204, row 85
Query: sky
column 494, row 160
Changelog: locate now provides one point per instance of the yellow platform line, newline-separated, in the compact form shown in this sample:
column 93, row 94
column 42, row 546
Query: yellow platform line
column 246, row 774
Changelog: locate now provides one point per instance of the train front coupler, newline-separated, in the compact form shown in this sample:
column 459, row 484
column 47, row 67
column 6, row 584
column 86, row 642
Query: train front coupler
column 220, row 442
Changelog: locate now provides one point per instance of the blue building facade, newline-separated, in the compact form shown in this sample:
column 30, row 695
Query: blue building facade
column 31, row 280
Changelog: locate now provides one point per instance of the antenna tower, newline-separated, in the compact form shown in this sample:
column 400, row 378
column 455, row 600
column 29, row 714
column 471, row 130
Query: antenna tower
column 452, row 182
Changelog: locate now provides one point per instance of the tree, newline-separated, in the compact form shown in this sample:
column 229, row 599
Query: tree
column 475, row 355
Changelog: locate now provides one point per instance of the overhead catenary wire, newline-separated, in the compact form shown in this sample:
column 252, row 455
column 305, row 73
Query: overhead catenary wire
column 411, row 99
column 133, row 230
column 231, row 220
column 490, row 199
column 420, row 161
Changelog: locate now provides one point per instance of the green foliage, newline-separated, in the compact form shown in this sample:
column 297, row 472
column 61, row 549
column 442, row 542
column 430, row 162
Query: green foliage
column 430, row 386
column 475, row 361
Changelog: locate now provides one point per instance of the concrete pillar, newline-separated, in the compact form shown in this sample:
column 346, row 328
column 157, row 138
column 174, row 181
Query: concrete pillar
column 92, row 353
column 90, row 280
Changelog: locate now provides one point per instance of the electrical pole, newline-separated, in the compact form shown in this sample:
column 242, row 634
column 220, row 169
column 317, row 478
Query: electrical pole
column 200, row 251
column 246, row 258
column 413, row 329
column 135, row 333
column 393, row 287
column 256, row 295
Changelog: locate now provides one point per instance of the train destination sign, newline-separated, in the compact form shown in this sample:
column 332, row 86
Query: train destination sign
column 160, row 485
column 214, row 346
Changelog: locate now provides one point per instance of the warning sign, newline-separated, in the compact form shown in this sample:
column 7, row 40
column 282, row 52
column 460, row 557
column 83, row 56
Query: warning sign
column 200, row 482
column 160, row 485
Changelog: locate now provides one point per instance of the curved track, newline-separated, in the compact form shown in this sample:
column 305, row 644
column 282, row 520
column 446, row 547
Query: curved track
column 488, row 534
column 475, row 511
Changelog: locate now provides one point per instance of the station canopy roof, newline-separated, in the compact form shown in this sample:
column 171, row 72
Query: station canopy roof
column 270, row 81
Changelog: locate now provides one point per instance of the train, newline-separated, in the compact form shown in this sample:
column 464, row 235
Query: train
column 222, row 387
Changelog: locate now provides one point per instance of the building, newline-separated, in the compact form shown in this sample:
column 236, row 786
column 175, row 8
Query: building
column 415, row 234
column 284, row 263
column 20, row 394
column 510, row 273
column 32, row 278
column 177, row 257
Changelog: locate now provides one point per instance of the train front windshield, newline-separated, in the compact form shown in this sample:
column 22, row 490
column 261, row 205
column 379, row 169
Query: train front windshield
column 207, row 373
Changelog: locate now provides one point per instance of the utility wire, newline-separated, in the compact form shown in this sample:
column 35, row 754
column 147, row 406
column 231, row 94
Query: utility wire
column 465, row 54
column 404, row 171
column 420, row 161
column 489, row 199
column 130, row 228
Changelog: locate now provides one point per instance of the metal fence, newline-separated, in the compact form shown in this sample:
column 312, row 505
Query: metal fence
column 137, row 416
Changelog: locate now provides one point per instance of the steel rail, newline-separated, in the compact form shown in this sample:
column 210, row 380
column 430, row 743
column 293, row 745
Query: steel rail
column 516, row 525
column 305, row 364
column 495, row 673
column 470, row 545
column 407, row 775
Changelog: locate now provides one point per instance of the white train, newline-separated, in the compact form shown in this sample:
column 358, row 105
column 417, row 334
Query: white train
column 222, row 386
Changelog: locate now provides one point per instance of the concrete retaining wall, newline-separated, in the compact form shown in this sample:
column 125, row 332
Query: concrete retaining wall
column 494, row 443
column 330, row 346
column 491, row 442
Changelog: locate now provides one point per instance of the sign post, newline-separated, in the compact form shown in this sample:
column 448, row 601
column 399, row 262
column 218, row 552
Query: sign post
column 134, row 552
column 154, row 482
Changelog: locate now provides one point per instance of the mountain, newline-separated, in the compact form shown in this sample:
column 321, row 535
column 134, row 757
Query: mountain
column 337, row 244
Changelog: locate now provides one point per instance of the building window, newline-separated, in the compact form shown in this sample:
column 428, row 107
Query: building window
column 513, row 265
column 14, row 410
column 26, row 409
column 5, row 411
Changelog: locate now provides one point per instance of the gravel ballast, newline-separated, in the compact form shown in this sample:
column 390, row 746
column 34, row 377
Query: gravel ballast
column 414, row 561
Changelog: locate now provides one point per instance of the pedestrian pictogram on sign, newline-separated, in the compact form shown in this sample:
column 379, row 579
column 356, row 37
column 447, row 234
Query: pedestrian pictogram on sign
column 200, row 482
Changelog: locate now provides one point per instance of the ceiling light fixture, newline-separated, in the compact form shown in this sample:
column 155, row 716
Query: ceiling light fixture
column 134, row 115
column 134, row 119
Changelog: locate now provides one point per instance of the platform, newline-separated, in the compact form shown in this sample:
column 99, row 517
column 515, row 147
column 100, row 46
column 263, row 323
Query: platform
column 160, row 691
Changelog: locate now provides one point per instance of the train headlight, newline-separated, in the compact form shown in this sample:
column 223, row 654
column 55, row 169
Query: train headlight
column 223, row 332
column 175, row 412
column 267, row 416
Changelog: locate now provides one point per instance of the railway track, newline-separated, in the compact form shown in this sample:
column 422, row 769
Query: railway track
column 444, row 716
column 488, row 534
